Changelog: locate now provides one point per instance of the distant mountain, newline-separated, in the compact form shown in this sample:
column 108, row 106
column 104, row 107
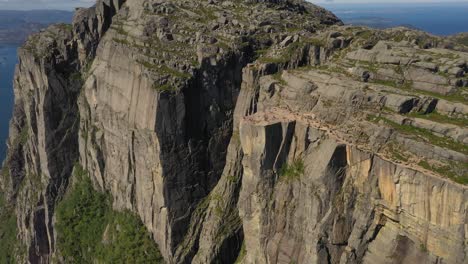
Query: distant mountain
column 376, row 22
column 15, row 26
column 442, row 18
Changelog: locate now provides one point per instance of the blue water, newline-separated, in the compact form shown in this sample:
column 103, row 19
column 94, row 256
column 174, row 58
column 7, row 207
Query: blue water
column 8, row 60
column 436, row 18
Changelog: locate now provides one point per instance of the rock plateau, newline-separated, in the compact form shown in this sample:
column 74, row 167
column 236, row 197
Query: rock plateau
column 256, row 131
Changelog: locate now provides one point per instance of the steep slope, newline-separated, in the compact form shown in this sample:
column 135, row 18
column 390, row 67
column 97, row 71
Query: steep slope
column 43, row 143
column 157, row 108
column 256, row 131
column 344, row 161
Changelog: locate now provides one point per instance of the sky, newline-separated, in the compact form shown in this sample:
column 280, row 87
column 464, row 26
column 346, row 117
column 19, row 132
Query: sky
column 44, row 4
column 71, row 4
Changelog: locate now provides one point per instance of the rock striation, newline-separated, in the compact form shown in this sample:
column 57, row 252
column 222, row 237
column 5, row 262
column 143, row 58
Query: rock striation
column 245, row 131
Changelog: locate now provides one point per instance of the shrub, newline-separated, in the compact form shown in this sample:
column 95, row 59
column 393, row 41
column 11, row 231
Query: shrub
column 292, row 171
column 88, row 230
column 8, row 231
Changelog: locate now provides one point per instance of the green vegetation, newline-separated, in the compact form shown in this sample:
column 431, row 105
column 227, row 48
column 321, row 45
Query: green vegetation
column 365, row 34
column 4, row 175
column 219, row 209
column 81, row 220
column 119, row 29
column 392, row 83
column 422, row 133
column 76, row 76
column 232, row 178
column 436, row 117
column 165, row 70
column 454, row 97
column 292, row 171
column 278, row 77
column 126, row 240
column 242, row 254
column 206, row 14
column 286, row 54
column 454, row 171
column 222, row 45
column 8, row 231
column 121, row 41
column 423, row 247
column 22, row 137
column 317, row 42
column 396, row 152
column 463, row 40
column 88, row 230
column 65, row 26
column 163, row 87
column 261, row 52
column 273, row 60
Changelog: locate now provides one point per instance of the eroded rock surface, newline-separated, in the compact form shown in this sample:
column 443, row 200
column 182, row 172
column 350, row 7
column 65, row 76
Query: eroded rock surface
column 256, row 131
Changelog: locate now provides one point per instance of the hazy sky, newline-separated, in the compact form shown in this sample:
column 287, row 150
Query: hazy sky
column 70, row 4
column 44, row 4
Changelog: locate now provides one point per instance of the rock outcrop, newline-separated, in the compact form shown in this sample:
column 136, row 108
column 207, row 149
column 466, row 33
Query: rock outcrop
column 256, row 131
column 43, row 142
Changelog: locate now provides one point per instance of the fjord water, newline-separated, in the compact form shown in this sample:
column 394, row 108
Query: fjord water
column 443, row 18
column 8, row 60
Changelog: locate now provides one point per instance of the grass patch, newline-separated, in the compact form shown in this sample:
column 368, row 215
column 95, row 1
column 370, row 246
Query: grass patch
column 65, row 26
column 222, row 45
column 386, row 83
column 76, row 76
column 261, row 52
column 449, row 171
column 316, row 42
column 286, row 54
column 278, row 77
column 166, row 70
column 242, row 254
column 163, row 87
column 422, row 133
column 423, row 247
column 455, row 97
column 89, row 231
column 439, row 118
column 121, row 41
column 463, row 40
column 273, row 59
column 292, row 171
column 232, row 178
column 22, row 138
column 396, row 153
column 8, row 232
column 126, row 240
column 163, row 69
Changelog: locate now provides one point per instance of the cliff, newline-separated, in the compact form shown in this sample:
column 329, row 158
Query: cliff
column 238, row 131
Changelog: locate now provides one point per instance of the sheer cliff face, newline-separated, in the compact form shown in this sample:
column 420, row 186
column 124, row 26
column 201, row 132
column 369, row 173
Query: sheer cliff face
column 43, row 135
column 260, row 131
column 43, row 143
column 155, row 126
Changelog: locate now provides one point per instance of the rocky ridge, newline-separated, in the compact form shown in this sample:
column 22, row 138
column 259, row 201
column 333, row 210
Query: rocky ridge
column 256, row 131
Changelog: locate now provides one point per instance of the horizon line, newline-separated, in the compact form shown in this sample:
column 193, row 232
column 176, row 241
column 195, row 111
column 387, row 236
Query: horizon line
column 319, row 2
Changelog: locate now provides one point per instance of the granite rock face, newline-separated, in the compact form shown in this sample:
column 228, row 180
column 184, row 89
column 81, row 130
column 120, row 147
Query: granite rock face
column 248, row 131
column 43, row 141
